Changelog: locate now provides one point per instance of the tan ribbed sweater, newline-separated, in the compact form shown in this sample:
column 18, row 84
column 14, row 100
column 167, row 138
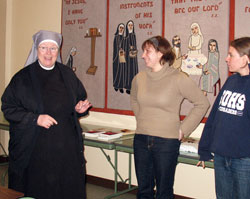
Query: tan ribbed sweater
column 156, row 99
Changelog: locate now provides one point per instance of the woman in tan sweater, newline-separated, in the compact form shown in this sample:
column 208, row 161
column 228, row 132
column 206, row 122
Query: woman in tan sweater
column 156, row 97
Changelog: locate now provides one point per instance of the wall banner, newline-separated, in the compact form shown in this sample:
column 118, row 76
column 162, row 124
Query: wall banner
column 242, row 18
column 199, row 32
column 102, row 43
column 84, row 44
column 130, row 24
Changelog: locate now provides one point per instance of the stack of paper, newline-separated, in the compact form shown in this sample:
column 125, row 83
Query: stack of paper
column 109, row 135
column 92, row 133
column 189, row 145
column 102, row 135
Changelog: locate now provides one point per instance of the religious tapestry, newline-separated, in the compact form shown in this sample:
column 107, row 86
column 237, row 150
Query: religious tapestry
column 130, row 23
column 84, row 44
column 102, row 43
column 199, row 32
column 242, row 18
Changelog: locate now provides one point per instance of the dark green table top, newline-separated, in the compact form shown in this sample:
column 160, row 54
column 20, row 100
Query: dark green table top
column 184, row 157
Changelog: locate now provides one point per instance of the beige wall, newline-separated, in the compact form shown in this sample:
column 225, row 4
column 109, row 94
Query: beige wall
column 4, row 49
column 2, row 43
column 19, row 20
column 27, row 17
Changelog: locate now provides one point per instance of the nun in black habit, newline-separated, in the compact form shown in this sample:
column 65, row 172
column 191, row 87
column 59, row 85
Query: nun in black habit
column 131, row 55
column 42, row 103
column 69, row 60
column 119, row 60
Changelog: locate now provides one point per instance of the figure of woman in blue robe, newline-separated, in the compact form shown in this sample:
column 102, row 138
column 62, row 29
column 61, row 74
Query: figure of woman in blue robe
column 210, row 71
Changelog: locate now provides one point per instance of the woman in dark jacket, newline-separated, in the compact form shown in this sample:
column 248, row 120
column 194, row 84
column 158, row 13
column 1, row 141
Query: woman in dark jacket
column 226, row 136
column 42, row 103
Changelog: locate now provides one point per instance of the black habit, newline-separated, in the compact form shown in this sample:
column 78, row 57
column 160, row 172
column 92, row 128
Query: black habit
column 45, row 163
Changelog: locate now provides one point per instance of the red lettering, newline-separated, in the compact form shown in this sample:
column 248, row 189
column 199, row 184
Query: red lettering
column 247, row 9
column 147, row 15
column 193, row 9
column 179, row 10
column 82, row 21
column 145, row 26
column 210, row 8
column 178, row 1
column 70, row 22
column 77, row 11
column 78, row 1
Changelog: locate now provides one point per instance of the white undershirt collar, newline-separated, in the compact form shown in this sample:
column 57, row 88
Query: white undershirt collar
column 46, row 68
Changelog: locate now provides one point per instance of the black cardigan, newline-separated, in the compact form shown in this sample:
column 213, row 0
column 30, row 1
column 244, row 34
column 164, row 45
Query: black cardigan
column 22, row 104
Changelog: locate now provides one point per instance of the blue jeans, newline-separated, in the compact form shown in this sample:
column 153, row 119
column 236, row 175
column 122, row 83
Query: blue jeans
column 155, row 164
column 232, row 177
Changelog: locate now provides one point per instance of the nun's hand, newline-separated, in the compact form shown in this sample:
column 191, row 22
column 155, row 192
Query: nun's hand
column 46, row 121
column 82, row 106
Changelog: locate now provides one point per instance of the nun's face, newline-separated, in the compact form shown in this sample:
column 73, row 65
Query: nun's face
column 47, row 54
column 121, row 29
column 130, row 26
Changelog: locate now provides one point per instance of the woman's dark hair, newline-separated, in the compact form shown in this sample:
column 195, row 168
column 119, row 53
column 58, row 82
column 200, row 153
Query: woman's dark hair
column 162, row 45
column 242, row 45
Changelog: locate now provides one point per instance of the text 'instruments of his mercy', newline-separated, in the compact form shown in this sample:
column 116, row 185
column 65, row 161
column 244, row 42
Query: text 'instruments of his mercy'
column 92, row 33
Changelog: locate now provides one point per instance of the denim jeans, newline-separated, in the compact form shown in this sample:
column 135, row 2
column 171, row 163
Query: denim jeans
column 155, row 164
column 232, row 177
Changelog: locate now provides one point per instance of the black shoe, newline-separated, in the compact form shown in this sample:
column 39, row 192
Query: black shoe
column 121, row 90
column 128, row 92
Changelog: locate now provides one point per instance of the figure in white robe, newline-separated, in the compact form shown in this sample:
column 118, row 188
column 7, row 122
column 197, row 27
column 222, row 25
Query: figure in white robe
column 195, row 40
column 195, row 59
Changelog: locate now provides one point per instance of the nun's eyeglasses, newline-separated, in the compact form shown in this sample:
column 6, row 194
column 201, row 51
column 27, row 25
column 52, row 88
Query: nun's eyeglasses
column 44, row 49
